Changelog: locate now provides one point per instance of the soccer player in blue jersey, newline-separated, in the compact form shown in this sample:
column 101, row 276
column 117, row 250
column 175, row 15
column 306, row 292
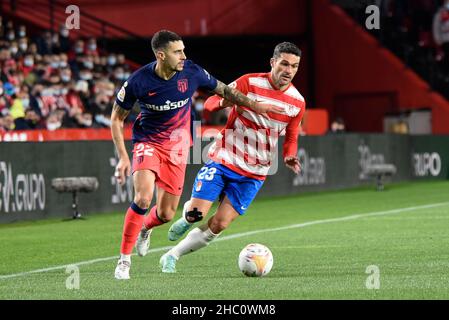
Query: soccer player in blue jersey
column 163, row 91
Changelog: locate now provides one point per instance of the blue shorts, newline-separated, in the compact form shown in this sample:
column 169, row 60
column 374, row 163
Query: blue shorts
column 214, row 179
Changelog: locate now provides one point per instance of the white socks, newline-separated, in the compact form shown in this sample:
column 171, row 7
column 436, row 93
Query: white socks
column 195, row 239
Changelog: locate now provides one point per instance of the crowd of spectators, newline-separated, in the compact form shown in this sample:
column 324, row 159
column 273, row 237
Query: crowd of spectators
column 51, row 81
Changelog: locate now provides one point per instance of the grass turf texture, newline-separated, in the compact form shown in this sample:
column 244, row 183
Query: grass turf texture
column 320, row 261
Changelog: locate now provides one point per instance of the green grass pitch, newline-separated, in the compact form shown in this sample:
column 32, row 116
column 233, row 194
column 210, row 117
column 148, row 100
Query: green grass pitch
column 322, row 243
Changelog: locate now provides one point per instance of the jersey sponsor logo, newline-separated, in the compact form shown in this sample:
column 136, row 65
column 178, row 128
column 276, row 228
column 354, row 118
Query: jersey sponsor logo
column 183, row 85
column 168, row 105
column 150, row 94
column 198, row 186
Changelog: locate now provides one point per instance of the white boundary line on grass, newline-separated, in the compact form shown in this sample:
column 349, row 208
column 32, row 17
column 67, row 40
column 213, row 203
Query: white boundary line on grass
column 244, row 234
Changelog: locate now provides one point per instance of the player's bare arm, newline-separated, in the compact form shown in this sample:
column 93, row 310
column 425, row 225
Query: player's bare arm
column 238, row 98
column 118, row 117
column 291, row 161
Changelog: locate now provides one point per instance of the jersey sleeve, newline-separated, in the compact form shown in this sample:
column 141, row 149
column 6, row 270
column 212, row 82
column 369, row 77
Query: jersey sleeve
column 126, row 97
column 290, row 147
column 205, row 80
column 213, row 103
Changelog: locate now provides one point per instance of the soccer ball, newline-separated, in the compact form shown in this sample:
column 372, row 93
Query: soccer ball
column 255, row 260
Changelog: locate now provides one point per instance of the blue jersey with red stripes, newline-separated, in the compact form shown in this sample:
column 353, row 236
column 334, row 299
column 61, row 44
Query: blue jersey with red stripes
column 165, row 105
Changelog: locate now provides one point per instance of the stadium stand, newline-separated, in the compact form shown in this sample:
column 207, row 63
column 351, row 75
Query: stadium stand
column 409, row 28
column 51, row 81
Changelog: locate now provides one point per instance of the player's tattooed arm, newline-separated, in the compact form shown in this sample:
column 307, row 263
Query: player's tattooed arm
column 119, row 112
column 233, row 95
column 238, row 98
column 118, row 117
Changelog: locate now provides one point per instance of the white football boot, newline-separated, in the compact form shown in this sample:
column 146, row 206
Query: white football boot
column 122, row 270
column 143, row 242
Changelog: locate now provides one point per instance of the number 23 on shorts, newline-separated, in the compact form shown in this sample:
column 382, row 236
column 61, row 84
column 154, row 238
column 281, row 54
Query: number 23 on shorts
column 207, row 173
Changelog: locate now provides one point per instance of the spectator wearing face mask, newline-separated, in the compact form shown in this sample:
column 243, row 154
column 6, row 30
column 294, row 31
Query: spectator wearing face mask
column 53, row 121
column 85, row 74
column 10, row 36
column 14, row 49
column 23, row 45
column 111, row 61
column 91, row 47
column 65, row 75
column 119, row 75
column 63, row 60
column 22, row 31
column 78, row 50
column 27, row 65
column 54, row 62
column 88, row 62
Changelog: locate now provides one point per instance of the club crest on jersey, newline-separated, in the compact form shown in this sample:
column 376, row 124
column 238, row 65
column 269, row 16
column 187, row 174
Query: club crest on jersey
column 292, row 111
column 183, row 85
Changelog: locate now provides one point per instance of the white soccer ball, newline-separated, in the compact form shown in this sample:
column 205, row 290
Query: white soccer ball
column 255, row 260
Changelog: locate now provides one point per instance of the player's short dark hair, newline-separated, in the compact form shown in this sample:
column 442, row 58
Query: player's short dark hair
column 286, row 47
column 161, row 39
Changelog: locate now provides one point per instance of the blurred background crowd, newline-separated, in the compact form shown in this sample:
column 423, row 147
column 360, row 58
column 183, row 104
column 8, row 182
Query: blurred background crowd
column 52, row 82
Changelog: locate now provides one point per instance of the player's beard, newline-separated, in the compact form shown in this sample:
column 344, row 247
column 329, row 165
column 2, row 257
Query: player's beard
column 179, row 66
column 284, row 80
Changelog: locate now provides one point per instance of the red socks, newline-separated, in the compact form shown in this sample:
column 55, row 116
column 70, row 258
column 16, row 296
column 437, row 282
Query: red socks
column 152, row 220
column 133, row 223
column 134, row 219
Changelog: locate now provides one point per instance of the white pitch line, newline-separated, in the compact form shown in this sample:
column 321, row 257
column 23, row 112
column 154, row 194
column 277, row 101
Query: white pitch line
column 243, row 234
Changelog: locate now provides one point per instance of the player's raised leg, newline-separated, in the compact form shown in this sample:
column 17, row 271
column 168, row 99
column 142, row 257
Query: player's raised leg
column 143, row 193
column 207, row 187
column 200, row 237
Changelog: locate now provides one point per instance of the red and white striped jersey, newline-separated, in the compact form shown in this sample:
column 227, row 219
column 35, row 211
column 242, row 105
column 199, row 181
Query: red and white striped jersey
column 248, row 143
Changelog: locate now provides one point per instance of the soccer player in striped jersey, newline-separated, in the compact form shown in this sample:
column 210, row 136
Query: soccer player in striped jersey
column 241, row 156
column 163, row 90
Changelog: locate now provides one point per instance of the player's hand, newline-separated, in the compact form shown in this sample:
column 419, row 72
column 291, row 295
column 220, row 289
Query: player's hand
column 122, row 170
column 225, row 103
column 293, row 164
column 265, row 108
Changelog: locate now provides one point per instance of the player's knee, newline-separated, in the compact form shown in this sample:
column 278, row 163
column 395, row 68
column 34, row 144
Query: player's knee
column 193, row 215
column 217, row 226
column 142, row 201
